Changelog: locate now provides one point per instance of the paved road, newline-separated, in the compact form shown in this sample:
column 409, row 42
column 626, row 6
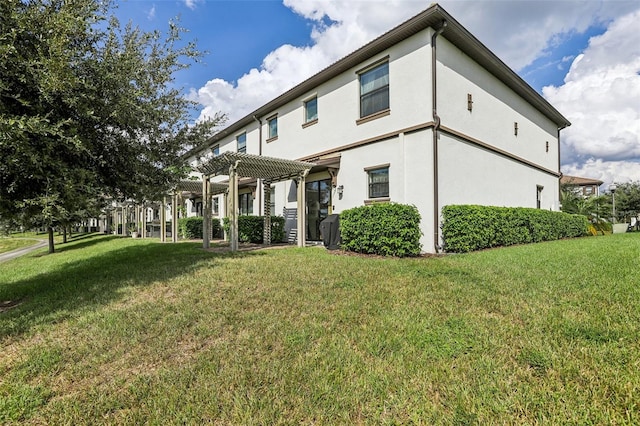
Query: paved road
column 19, row 252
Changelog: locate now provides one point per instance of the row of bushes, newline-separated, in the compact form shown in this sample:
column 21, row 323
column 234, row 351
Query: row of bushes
column 386, row 229
column 251, row 229
column 468, row 227
column 190, row 228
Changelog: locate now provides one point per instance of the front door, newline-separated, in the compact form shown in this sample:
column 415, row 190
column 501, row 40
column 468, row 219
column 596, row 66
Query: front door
column 318, row 196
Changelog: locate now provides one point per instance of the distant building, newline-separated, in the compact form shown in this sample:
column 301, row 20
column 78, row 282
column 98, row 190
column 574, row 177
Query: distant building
column 586, row 187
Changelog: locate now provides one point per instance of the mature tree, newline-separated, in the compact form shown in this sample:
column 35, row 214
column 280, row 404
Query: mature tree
column 627, row 200
column 88, row 108
column 595, row 208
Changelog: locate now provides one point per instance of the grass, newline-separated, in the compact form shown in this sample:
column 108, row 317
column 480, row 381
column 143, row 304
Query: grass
column 10, row 244
column 124, row 331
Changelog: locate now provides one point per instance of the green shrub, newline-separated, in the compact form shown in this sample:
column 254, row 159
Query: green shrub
column 190, row 228
column 251, row 229
column 603, row 228
column 387, row 229
column 467, row 227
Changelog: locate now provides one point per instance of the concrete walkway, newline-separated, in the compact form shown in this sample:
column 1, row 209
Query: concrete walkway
column 20, row 252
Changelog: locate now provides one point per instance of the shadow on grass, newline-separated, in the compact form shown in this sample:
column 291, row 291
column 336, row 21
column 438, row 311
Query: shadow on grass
column 95, row 278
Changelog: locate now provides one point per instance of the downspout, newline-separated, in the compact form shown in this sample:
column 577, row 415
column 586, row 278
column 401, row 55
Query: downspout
column 259, row 181
column 436, row 126
column 559, row 188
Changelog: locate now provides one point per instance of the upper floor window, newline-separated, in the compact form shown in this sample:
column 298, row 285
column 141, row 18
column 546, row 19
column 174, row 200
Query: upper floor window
column 311, row 110
column 374, row 90
column 242, row 142
column 272, row 124
column 378, row 182
column 215, row 150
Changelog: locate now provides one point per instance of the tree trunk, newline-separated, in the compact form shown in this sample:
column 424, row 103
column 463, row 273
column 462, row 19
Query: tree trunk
column 51, row 247
column 64, row 235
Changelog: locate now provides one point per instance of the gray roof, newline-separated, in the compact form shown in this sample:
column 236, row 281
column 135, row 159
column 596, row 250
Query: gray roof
column 429, row 18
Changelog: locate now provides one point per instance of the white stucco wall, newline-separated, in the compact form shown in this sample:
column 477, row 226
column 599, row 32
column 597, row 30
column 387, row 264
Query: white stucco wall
column 495, row 109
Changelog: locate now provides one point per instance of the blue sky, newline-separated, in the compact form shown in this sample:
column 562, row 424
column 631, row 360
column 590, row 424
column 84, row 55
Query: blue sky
column 236, row 34
column 583, row 56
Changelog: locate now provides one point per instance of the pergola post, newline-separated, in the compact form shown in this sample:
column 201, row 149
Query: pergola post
column 233, row 207
column 266, row 187
column 163, row 220
column 302, row 203
column 206, row 213
column 174, row 219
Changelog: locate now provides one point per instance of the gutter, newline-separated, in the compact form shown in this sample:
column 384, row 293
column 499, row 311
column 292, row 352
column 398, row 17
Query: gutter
column 436, row 127
column 564, row 126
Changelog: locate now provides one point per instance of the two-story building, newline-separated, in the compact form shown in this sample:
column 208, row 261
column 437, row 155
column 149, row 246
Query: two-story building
column 425, row 115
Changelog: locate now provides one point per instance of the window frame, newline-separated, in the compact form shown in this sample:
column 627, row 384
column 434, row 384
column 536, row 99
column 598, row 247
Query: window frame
column 371, row 195
column 244, row 147
column 215, row 150
column 245, row 204
column 270, row 136
column 305, row 106
column 383, row 62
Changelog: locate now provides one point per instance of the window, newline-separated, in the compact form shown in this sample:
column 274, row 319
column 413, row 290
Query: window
column 242, row 142
column 379, row 182
column 272, row 198
column 272, row 124
column 374, row 90
column 311, row 110
column 215, row 150
column 216, row 206
column 245, row 202
column 539, row 195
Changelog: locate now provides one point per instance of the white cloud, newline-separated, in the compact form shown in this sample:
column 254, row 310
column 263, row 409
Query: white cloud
column 191, row 4
column 152, row 13
column 601, row 97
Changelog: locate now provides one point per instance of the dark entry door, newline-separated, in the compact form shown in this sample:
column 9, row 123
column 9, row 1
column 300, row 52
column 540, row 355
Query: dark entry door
column 318, row 202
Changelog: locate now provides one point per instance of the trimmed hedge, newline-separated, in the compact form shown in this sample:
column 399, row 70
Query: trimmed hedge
column 386, row 229
column 468, row 227
column 190, row 228
column 251, row 229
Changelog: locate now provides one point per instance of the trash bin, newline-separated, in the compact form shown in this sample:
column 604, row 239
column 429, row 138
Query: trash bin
column 330, row 231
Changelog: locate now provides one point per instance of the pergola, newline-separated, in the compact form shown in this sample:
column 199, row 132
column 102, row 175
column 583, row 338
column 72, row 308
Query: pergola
column 185, row 186
column 270, row 170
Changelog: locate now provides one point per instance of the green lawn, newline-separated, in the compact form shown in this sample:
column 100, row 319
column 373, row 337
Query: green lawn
column 10, row 244
column 123, row 331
